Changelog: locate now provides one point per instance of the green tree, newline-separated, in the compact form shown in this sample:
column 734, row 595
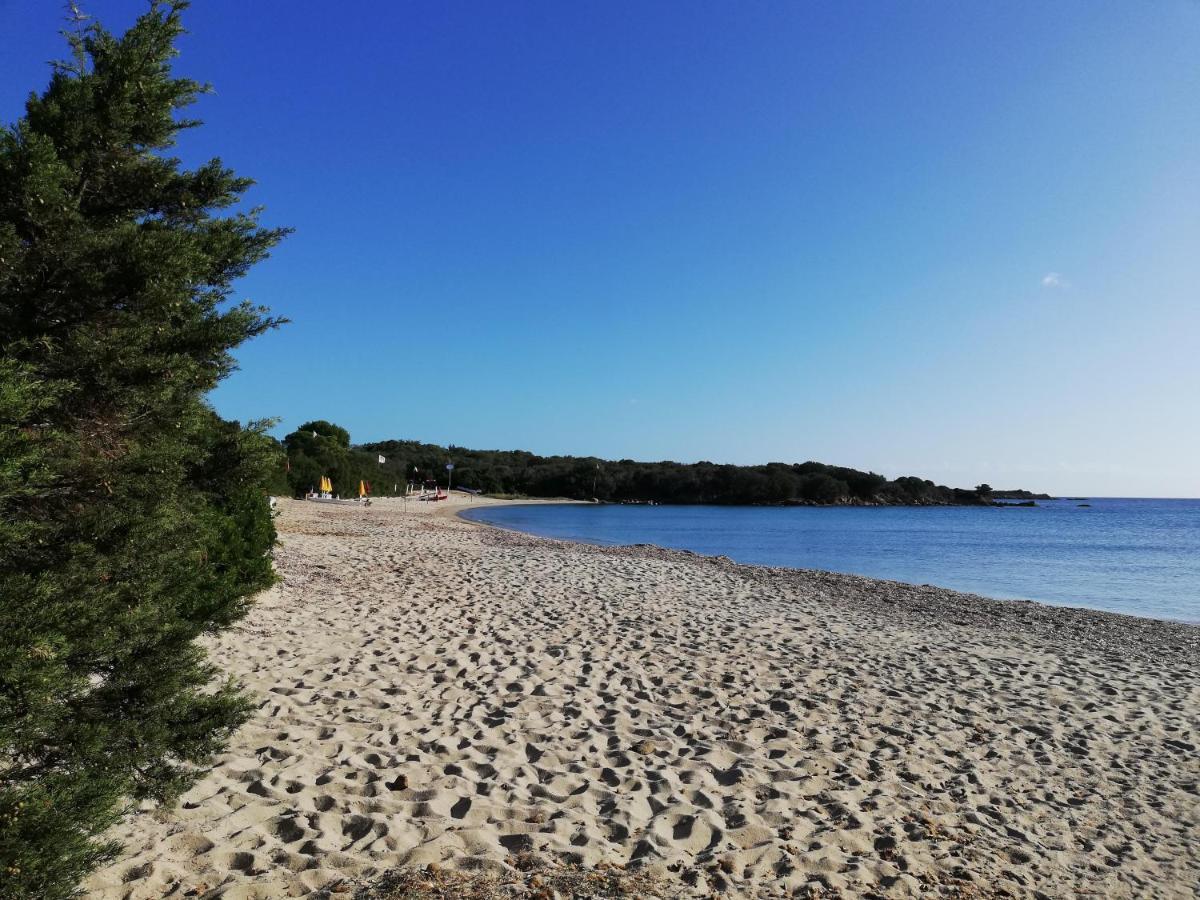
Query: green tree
column 320, row 430
column 315, row 449
column 132, row 518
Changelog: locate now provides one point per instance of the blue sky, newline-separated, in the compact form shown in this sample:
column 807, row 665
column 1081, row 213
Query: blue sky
column 954, row 240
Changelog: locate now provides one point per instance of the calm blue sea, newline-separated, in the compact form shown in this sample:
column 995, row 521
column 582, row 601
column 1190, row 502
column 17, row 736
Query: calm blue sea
column 1140, row 557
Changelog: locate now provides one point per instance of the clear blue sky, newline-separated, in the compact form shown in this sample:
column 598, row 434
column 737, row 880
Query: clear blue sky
column 954, row 240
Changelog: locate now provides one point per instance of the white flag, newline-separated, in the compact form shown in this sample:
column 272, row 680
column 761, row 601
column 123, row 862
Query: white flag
column 382, row 460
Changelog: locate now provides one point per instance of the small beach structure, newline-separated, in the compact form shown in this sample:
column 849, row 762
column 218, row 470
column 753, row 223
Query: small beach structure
column 324, row 491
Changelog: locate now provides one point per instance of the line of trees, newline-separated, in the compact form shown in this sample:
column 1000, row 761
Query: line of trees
column 320, row 448
column 133, row 519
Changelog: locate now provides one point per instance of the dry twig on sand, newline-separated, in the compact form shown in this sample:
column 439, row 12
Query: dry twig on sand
column 531, row 878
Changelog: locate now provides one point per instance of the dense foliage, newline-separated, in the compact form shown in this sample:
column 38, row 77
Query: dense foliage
column 320, row 448
column 519, row 472
column 132, row 518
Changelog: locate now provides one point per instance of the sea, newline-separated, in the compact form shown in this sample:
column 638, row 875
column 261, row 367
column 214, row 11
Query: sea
column 1132, row 556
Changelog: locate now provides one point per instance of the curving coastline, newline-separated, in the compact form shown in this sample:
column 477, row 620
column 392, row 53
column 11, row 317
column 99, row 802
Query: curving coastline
column 922, row 604
column 438, row 691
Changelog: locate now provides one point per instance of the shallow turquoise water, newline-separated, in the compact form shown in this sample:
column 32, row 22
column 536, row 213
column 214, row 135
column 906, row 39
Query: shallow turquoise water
column 1139, row 557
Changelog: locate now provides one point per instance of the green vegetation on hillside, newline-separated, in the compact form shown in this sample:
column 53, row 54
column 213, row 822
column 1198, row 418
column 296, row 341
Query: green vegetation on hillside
column 132, row 518
column 585, row 478
column 320, row 448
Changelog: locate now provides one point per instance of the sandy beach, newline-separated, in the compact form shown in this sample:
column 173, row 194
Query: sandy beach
column 432, row 691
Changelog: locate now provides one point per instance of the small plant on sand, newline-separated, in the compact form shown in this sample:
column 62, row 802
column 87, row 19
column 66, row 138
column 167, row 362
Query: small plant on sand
column 132, row 518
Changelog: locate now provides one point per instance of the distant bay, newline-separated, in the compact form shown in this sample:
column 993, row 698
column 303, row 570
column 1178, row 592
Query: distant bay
column 1132, row 556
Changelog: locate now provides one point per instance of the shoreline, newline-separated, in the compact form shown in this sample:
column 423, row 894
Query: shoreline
column 434, row 691
column 856, row 580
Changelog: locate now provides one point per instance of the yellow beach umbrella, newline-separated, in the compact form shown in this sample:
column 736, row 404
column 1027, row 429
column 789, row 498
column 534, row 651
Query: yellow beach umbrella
column 362, row 489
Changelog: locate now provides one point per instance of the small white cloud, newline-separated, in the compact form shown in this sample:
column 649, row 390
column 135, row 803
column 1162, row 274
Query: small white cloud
column 1054, row 280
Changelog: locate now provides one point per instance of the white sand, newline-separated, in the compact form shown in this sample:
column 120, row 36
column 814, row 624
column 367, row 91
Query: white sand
column 436, row 691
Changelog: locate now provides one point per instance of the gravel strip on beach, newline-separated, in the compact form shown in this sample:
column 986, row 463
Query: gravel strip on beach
column 1095, row 630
